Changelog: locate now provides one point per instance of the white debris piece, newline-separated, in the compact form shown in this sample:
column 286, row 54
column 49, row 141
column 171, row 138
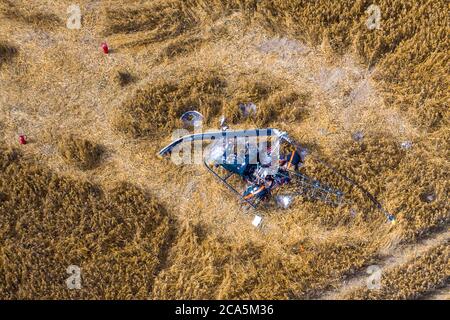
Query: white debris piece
column 223, row 123
column 406, row 145
column 431, row 197
column 192, row 118
column 358, row 136
column 323, row 132
column 256, row 221
column 284, row 201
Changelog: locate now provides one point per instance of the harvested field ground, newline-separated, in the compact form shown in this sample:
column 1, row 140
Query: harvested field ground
column 88, row 189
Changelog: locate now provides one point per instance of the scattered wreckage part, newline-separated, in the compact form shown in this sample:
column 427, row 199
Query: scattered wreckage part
column 247, row 109
column 358, row 136
column 284, row 201
column 104, row 47
column 406, row 145
column 257, row 220
column 223, row 123
column 428, row 196
column 23, row 139
column 224, row 181
column 192, row 118
column 310, row 188
column 389, row 216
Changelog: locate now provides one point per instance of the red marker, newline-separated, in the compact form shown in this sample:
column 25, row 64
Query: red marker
column 23, row 139
column 105, row 48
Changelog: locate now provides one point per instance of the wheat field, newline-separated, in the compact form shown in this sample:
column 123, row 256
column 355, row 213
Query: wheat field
column 88, row 188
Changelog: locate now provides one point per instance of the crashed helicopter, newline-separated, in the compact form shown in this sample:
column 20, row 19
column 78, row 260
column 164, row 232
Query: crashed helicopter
column 257, row 158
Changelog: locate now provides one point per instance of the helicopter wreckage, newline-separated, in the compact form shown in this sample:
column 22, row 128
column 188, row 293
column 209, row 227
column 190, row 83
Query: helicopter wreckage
column 264, row 161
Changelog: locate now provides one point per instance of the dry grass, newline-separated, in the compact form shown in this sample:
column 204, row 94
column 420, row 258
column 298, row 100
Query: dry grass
column 146, row 23
column 22, row 13
column 251, row 270
column 179, row 47
column 311, row 67
column 117, row 237
column 7, row 52
column 275, row 99
column 80, row 152
column 405, row 48
column 420, row 217
column 157, row 106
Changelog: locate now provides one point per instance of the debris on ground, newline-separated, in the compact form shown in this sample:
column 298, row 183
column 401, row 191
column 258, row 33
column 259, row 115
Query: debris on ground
column 247, row 109
column 23, row 139
column 192, row 118
column 358, row 136
column 406, row 145
column 428, row 197
column 256, row 221
column 284, row 201
column 105, row 47
column 223, row 123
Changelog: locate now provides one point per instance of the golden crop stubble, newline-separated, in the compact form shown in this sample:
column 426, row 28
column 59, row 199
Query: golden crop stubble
column 118, row 237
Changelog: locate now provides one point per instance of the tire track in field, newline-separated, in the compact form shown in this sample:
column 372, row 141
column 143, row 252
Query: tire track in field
column 440, row 294
column 398, row 256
